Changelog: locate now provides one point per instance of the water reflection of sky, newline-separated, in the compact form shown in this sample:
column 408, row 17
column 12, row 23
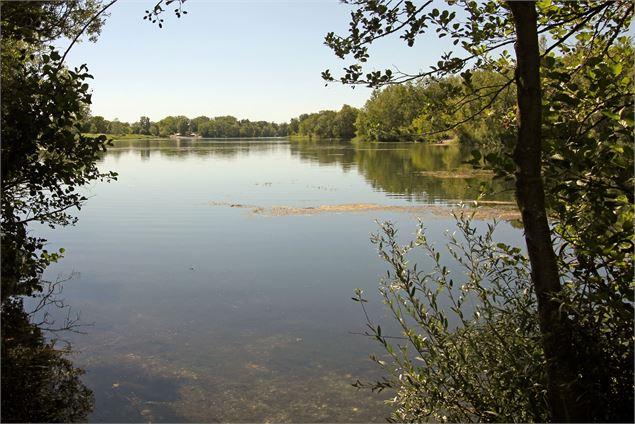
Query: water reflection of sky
column 210, row 313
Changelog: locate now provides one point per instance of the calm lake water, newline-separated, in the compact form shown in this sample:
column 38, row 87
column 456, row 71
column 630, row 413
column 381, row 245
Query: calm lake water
column 206, row 305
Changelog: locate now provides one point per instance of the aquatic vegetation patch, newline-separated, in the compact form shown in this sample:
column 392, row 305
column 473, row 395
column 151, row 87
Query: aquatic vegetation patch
column 485, row 209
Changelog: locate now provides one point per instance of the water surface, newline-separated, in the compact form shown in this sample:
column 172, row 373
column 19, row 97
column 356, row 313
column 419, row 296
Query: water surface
column 204, row 311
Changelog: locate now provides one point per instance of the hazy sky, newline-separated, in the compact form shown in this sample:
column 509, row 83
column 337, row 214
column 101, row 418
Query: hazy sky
column 253, row 59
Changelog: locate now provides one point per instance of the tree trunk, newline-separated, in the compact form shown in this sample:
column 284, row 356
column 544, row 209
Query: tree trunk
column 563, row 390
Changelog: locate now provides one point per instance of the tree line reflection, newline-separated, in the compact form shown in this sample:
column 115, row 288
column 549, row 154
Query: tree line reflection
column 415, row 171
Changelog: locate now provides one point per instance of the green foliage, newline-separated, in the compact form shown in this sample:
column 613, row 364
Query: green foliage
column 480, row 29
column 118, row 128
column 144, row 125
column 345, row 122
column 388, row 114
column 326, row 124
column 182, row 125
column 469, row 348
column 588, row 169
column 474, row 110
column 484, row 112
column 40, row 22
column 470, row 345
column 587, row 165
column 589, row 158
column 44, row 157
column 202, row 126
column 97, row 125
column 44, row 161
column 197, row 124
column 229, row 126
column 319, row 124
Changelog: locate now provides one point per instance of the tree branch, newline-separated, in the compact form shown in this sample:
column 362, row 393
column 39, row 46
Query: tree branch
column 90, row 21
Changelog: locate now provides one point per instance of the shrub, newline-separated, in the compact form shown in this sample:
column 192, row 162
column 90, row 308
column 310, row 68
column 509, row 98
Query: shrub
column 470, row 345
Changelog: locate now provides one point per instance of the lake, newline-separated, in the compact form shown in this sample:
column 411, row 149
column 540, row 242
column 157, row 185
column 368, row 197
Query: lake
column 215, row 276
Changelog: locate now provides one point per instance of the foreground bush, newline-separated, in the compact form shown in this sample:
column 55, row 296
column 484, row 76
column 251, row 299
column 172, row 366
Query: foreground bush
column 471, row 348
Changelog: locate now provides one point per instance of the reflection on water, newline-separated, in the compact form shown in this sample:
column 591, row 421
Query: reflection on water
column 208, row 313
column 418, row 172
column 407, row 170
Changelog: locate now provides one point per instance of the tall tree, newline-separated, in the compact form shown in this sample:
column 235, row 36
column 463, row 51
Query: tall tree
column 591, row 29
column 45, row 159
column 565, row 400
column 144, row 125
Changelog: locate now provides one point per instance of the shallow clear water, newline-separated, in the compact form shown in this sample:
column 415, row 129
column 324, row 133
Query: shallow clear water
column 204, row 310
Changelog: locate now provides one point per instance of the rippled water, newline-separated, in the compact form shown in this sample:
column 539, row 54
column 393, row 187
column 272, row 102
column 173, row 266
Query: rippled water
column 203, row 310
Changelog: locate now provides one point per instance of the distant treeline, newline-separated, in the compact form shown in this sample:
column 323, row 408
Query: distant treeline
column 426, row 110
column 202, row 126
column 325, row 124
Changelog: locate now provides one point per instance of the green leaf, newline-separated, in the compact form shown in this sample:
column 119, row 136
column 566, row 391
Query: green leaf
column 612, row 115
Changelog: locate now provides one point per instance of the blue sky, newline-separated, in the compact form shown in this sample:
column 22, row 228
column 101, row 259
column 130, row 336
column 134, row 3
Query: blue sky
column 253, row 59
